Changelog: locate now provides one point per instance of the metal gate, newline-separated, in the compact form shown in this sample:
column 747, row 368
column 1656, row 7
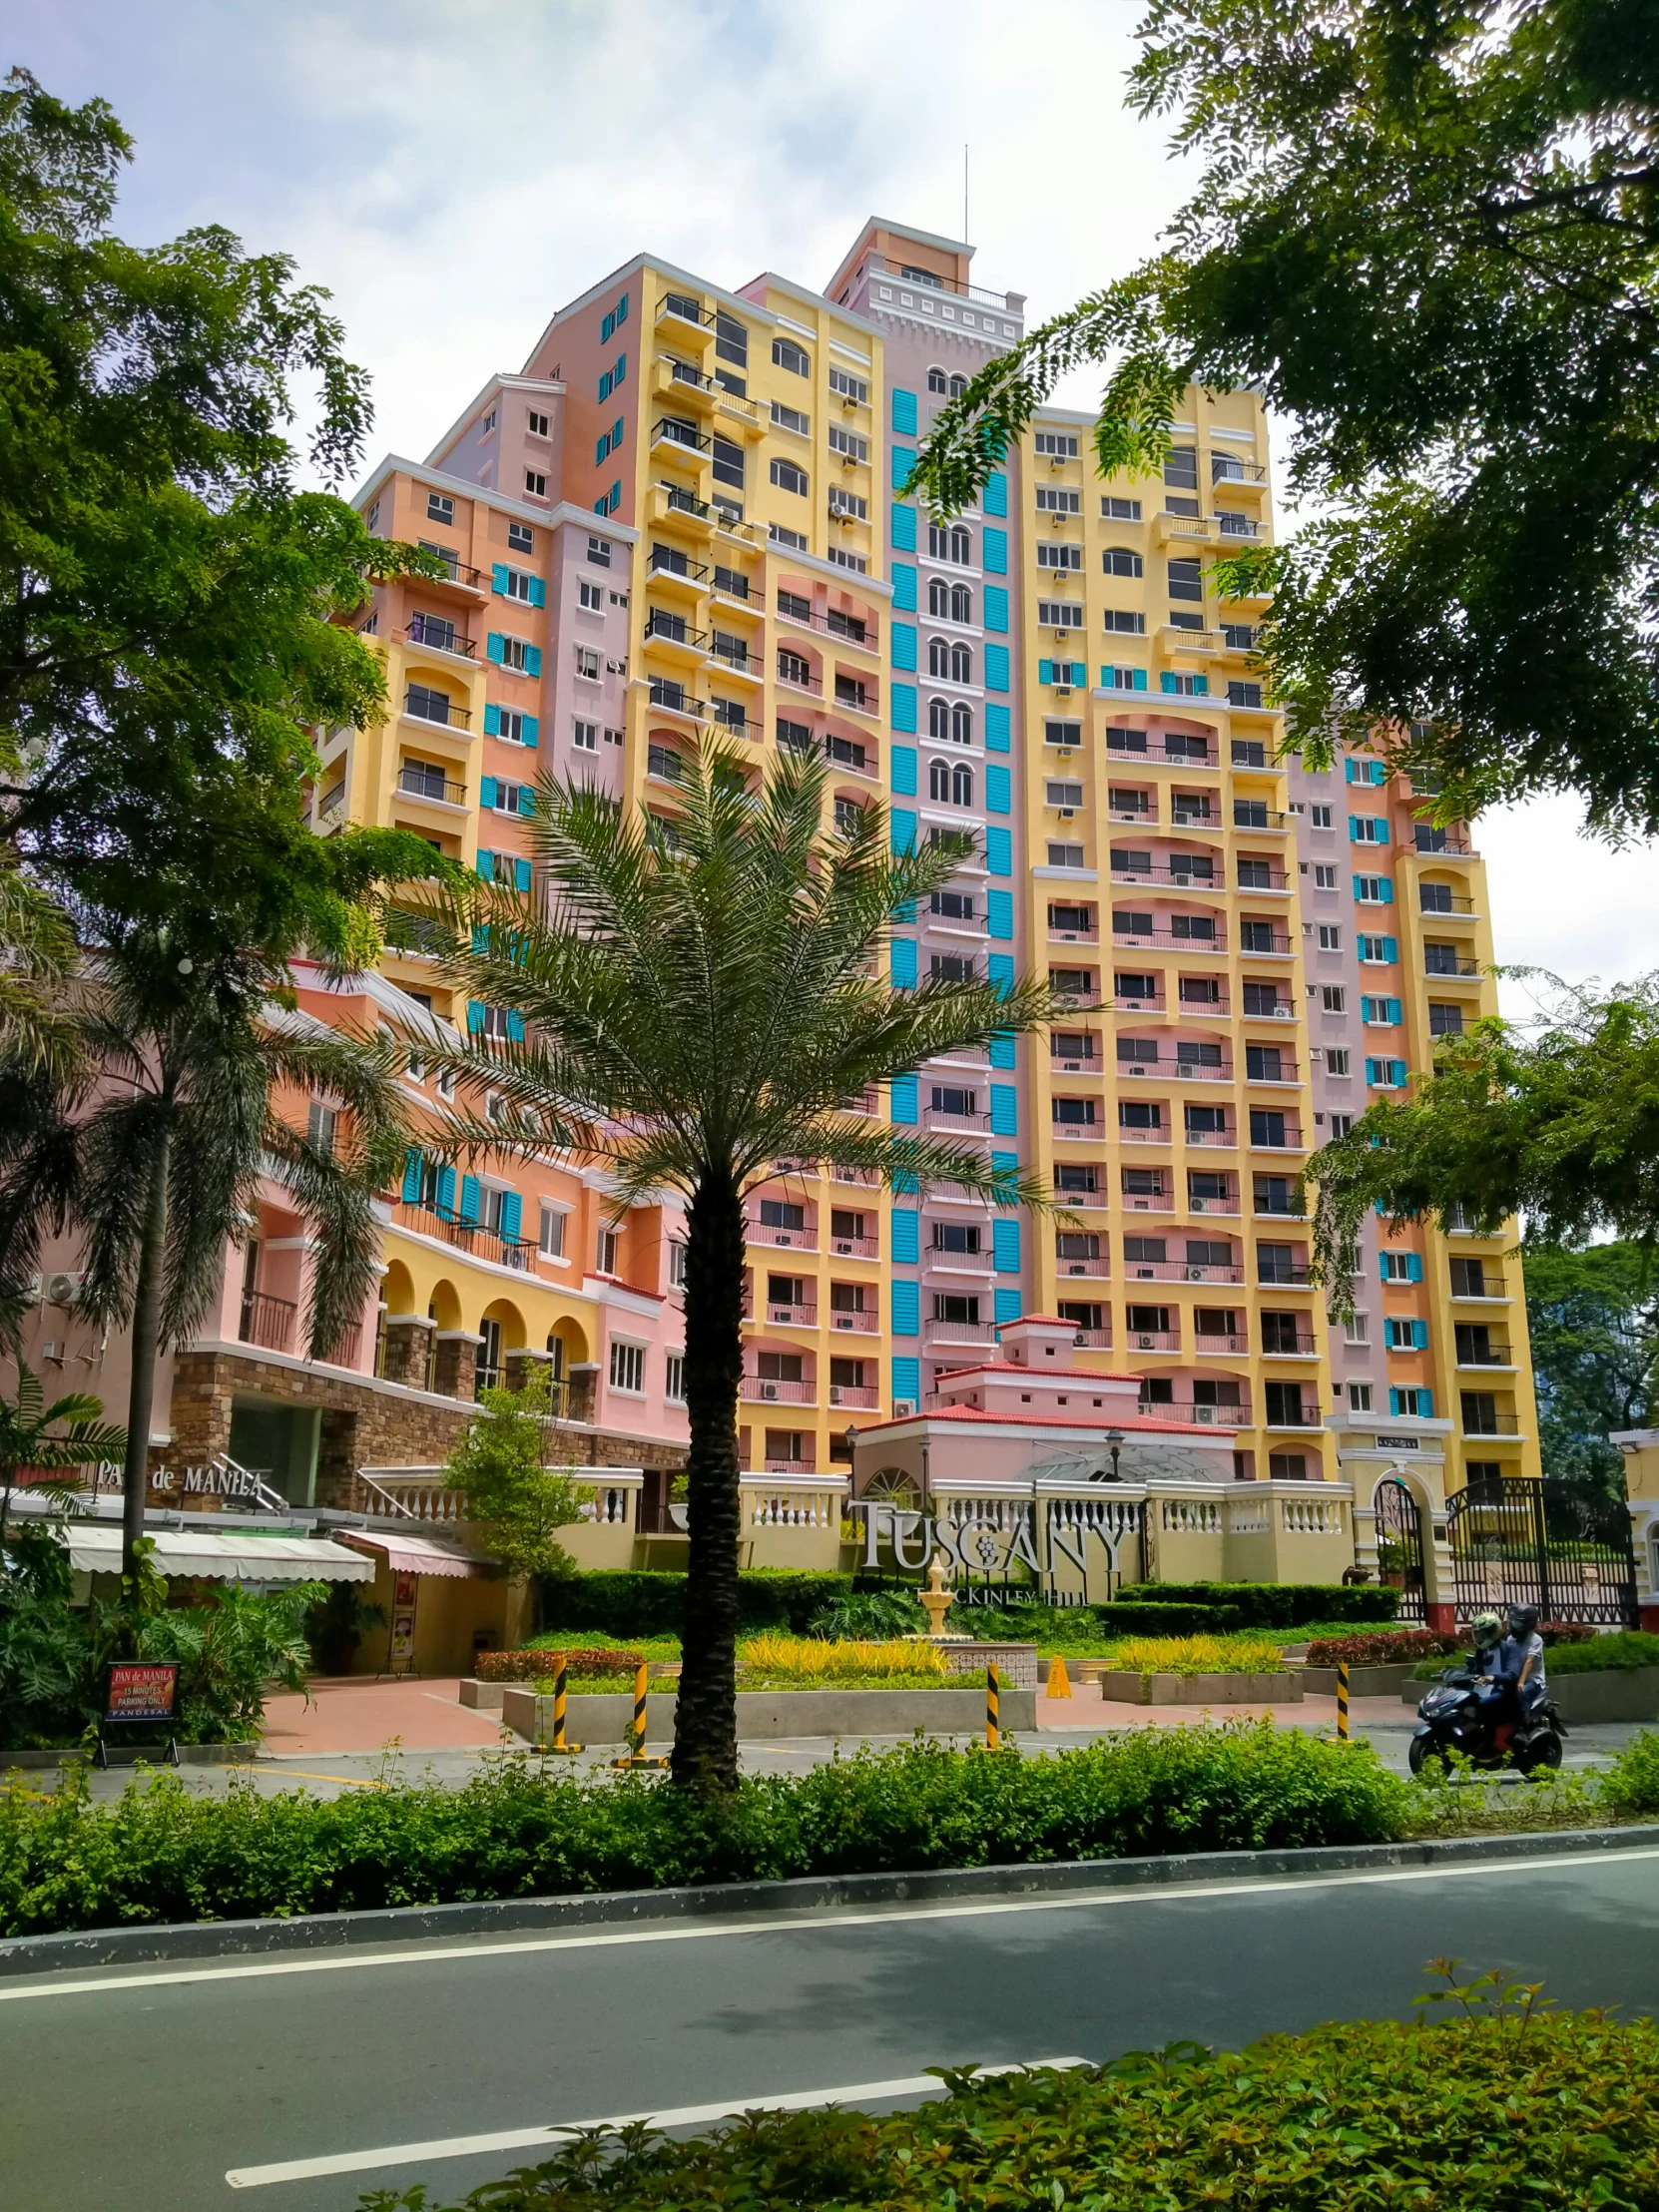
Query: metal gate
column 1399, row 1546
column 1570, row 1557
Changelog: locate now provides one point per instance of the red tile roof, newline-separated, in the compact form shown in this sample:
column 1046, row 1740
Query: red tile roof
column 1030, row 1419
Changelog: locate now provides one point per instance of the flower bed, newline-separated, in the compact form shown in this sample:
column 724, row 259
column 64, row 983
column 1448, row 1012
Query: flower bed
column 532, row 1663
column 1384, row 1647
column 1192, row 1655
column 1512, row 2106
column 809, row 1663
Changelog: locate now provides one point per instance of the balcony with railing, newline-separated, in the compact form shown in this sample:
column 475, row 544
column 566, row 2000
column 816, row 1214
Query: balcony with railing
column 1199, row 1413
column 1215, row 1344
column 676, row 433
column 1171, row 748
column 674, row 634
column 786, row 1235
column 766, row 1390
column 857, row 1321
column 1136, row 1339
column 1227, row 469
column 455, row 571
column 1286, row 1343
column 1225, row 1138
column 1440, row 898
column 1127, row 937
column 426, row 782
column 268, row 1322
column 1208, row 1065
column 1292, row 1414
column 962, row 1120
column 1193, row 873
column 1483, row 1351
column 668, row 566
column 331, row 801
column 797, row 675
column 1454, row 841
column 451, row 1228
column 880, row 265
column 439, row 636
column 1178, row 1270
column 937, row 1331
column 671, row 698
column 422, row 703
column 1485, row 1422
column 672, row 502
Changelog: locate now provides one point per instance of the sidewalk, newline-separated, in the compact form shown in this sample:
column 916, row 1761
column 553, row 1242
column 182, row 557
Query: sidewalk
column 1087, row 1709
column 360, row 1713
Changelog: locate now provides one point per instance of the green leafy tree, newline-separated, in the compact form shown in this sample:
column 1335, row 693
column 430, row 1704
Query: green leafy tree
column 59, row 1440
column 519, row 1500
column 1431, row 236
column 229, row 1653
column 1559, row 1122
column 168, row 596
column 154, row 1149
column 1592, row 1313
column 700, row 999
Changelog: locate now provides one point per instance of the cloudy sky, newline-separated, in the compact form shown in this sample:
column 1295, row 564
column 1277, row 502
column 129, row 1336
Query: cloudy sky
column 452, row 170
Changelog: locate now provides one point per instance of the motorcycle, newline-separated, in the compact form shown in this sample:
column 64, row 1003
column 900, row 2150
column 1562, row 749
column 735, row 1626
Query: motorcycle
column 1460, row 1714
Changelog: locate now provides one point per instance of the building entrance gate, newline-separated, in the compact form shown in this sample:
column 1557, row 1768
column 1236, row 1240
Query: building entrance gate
column 1570, row 1557
column 1399, row 1546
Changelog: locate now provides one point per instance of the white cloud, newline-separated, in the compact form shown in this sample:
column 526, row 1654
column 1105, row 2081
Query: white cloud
column 454, row 170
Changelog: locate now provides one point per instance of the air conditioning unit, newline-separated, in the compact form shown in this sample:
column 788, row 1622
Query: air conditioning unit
column 1134, row 1005
column 843, row 1246
column 1076, row 1270
column 1146, row 1343
column 64, row 1289
column 835, row 1393
column 780, row 1313
column 1069, row 937
column 1195, row 1275
column 769, row 1390
column 1143, row 1205
column 844, row 1321
column 783, row 1240
column 1071, row 1067
column 1144, row 1275
column 1067, row 812
column 1061, row 635
column 1204, row 1413
column 902, row 1408
column 1197, row 1203
column 1062, row 691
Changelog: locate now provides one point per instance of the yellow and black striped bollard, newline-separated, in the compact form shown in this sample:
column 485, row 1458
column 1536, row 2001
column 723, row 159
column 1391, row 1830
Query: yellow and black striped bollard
column 1341, row 1700
column 558, row 1748
column 992, row 1733
column 636, row 1733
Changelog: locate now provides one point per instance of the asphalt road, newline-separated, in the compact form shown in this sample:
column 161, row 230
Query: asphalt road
column 152, row 2086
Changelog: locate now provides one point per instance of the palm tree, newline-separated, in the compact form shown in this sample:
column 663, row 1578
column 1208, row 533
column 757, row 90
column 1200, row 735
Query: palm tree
column 690, row 1001
column 28, row 1444
column 189, row 1072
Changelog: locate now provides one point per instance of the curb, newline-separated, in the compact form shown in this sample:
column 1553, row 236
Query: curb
column 117, row 1947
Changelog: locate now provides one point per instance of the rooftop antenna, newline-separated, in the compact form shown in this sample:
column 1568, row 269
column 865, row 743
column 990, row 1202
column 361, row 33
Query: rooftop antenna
column 965, row 191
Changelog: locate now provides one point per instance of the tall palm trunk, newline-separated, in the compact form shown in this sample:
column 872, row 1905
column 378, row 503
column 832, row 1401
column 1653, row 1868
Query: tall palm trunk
column 706, row 1720
column 147, row 1335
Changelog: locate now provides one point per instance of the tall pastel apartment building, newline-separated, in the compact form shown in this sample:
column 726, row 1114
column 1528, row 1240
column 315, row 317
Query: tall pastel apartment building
column 688, row 515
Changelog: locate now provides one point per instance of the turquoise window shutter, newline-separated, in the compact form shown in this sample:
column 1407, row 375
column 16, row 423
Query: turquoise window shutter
column 498, row 578
column 906, row 1183
column 1006, row 1247
column 538, row 592
column 1393, row 1395
column 996, row 667
column 1140, row 680
column 1419, row 1336
column 996, row 607
column 907, row 1236
column 1000, row 916
column 1391, row 949
column 526, row 799
column 531, row 728
column 512, row 1213
column 1005, row 1110
column 999, row 973
column 1414, row 1267
column 446, row 1191
column 1395, row 1010
column 1365, row 1005
column 902, row 1092
column 994, row 499
column 907, row 1381
column 999, row 852
column 1000, row 1051
column 1201, row 687
column 903, row 587
column 616, row 428
column 1006, row 1305
column 619, row 374
column 622, row 308
column 1166, row 682
column 999, row 728
column 903, row 529
column 493, row 720
column 1079, row 674
column 607, row 328
column 1381, row 829
column 516, row 1025
column 476, row 1016
column 521, row 875
column 999, row 788
column 532, row 660
column 1425, row 1404
column 412, row 1164
column 486, row 792
column 905, row 645
column 904, row 968
column 469, row 1198
column 904, row 412
column 907, row 1311
column 1397, row 1070
column 494, row 648
column 901, row 706
column 1387, row 890
column 605, row 383
column 904, row 770
column 905, row 911
column 1370, row 1071
column 486, row 866
column 601, row 446
column 903, row 465
column 1359, row 886
column 902, row 830
column 1005, row 1163
column 1045, row 672
column 1354, row 828
column 615, row 500
column 995, row 555
column 480, row 936
column 1348, row 770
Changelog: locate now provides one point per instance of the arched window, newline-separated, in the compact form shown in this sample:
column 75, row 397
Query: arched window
column 961, row 664
column 1118, row 560
column 939, row 598
column 939, row 780
column 937, row 380
column 959, row 385
column 938, row 718
column 961, row 784
column 938, row 657
column 962, row 723
column 961, row 603
column 961, row 546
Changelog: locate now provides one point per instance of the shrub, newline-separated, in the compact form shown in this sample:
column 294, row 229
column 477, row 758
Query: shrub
column 1596, row 1654
column 636, row 1602
column 809, row 1660
column 1085, row 1628
column 1630, row 1787
column 1384, row 1648
column 160, row 1853
column 530, row 1664
column 1277, row 1604
column 879, row 1613
column 1198, row 1655
column 1483, row 2114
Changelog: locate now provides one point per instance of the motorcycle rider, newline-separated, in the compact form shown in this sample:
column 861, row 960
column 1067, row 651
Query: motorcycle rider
column 1485, row 1665
column 1524, row 1653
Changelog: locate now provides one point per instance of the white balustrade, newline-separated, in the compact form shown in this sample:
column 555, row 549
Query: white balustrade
column 1313, row 1516
column 1190, row 1516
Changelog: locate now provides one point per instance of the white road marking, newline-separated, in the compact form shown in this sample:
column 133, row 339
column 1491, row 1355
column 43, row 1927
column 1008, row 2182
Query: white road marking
column 525, row 2138
column 813, row 1922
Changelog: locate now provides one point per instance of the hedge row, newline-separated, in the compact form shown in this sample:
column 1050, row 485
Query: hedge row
column 625, row 1601
column 1276, row 1604
column 1485, row 2115
column 160, row 1853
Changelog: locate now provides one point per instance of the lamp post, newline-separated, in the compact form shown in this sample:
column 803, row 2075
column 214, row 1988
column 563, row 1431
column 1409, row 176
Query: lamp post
column 1114, row 1445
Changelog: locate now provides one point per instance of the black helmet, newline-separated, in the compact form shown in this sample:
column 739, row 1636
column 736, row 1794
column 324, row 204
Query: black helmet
column 1523, row 1619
